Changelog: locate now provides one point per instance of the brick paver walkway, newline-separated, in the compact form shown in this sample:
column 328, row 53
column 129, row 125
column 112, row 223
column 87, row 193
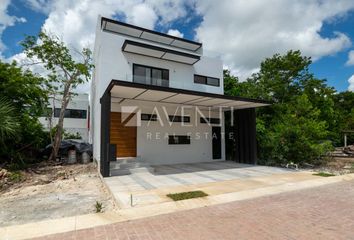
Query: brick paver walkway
column 325, row 212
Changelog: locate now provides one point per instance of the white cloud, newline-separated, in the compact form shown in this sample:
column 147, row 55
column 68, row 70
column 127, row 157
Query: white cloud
column 246, row 32
column 75, row 21
column 175, row 32
column 143, row 15
column 242, row 32
column 351, row 83
column 350, row 61
column 42, row 6
column 6, row 21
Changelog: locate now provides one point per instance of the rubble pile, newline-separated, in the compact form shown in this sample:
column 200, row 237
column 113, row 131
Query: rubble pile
column 343, row 151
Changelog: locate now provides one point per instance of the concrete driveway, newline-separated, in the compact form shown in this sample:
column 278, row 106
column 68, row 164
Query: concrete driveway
column 219, row 177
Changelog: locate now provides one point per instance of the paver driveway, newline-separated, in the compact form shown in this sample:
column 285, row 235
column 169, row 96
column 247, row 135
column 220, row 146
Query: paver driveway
column 325, row 212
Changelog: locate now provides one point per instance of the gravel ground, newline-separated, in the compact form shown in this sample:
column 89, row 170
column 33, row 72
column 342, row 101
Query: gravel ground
column 74, row 194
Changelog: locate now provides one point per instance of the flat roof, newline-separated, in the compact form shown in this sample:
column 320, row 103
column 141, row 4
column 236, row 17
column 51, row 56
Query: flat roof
column 114, row 26
column 151, row 93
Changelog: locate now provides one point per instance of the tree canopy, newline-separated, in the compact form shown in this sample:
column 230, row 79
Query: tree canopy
column 306, row 116
column 23, row 98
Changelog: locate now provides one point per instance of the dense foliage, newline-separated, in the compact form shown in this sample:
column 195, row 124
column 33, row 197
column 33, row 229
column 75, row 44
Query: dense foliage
column 22, row 101
column 306, row 117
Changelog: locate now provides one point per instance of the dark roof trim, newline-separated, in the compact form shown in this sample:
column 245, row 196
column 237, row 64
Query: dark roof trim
column 149, row 31
column 165, row 50
column 181, row 91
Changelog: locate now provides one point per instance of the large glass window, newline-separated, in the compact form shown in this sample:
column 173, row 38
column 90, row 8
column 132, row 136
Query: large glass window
column 150, row 75
column 207, row 80
column 71, row 113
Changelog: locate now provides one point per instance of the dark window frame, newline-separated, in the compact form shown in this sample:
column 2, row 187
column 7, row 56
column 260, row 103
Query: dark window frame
column 69, row 113
column 206, row 80
column 179, row 140
column 176, row 118
column 148, row 117
column 151, row 70
column 210, row 120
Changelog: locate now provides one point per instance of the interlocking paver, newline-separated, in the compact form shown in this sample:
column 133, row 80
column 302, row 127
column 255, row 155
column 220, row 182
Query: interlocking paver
column 325, row 212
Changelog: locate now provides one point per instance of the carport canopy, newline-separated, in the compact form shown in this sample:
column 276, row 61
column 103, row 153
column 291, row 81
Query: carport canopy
column 121, row 90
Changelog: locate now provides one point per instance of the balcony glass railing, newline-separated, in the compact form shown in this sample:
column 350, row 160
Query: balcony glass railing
column 151, row 81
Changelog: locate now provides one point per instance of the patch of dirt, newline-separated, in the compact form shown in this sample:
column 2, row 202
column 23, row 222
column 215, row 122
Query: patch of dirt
column 53, row 191
column 338, row 166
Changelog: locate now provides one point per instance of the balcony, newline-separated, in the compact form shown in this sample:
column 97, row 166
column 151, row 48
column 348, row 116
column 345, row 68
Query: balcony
column 151, row 81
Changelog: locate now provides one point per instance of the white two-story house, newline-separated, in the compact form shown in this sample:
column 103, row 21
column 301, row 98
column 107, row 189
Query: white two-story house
column 158, row 98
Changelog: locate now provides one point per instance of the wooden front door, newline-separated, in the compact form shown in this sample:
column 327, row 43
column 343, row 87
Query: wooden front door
column 122, row 136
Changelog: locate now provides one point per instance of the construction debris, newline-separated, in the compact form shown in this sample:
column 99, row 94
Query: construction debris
column 343, row 151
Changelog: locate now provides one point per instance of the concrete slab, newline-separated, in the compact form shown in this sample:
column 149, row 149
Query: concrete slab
column 141, row 189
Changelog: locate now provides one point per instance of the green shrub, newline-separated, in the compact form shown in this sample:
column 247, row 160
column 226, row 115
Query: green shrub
column 186, row 195
column 98, row 207
column 16, row 176
column 324, row 174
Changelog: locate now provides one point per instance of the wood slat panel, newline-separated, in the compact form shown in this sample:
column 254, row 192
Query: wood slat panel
column 124, row 137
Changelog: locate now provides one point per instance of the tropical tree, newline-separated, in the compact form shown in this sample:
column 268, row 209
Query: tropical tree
column 297, row 127
column 23, row 97
column 65, row 72
column 9, row 124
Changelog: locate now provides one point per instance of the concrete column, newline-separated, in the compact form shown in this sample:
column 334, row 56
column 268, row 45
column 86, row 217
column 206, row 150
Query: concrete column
column 345, row 140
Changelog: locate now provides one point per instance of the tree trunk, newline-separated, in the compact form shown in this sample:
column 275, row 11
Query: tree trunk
column 59, row 132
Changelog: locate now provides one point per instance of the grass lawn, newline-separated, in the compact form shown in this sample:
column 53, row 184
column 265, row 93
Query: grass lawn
column 324, row 174
column 186, row 195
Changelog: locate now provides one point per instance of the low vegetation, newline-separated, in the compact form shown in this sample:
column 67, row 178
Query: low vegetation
column 98, row 207
column 186, row 195
column 324, row 174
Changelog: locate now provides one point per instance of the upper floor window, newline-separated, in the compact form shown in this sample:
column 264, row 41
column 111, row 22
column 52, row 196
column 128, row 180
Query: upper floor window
column 207, row 80
column 71, row 113
column 150, row 75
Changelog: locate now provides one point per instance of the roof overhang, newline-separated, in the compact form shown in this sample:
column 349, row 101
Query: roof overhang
column 121, row 90
column 159, row 52
column 113, row 26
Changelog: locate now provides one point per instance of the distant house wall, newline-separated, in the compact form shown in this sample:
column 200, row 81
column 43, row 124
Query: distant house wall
column 72, row 125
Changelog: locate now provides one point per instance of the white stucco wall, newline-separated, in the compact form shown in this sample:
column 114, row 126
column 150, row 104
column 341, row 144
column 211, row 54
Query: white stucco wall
column 111, row 63
column 152, row 137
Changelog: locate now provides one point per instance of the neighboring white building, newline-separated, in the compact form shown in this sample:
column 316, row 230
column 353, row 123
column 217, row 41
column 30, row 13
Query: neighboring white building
column 76, row 119
column 174, row 90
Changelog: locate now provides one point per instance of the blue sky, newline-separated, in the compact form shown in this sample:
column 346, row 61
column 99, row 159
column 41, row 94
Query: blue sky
column 241, row 39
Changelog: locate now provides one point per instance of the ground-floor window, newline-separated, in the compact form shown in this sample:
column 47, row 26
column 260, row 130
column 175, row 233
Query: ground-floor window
column 179, row 139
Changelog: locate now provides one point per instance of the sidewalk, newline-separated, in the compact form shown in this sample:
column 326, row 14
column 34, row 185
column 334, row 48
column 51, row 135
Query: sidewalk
column 92, row 220
column 324, row 212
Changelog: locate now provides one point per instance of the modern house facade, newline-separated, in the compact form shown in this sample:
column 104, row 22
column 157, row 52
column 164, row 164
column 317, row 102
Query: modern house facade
column 158, row 98
column 76, row 118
